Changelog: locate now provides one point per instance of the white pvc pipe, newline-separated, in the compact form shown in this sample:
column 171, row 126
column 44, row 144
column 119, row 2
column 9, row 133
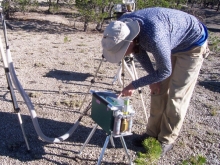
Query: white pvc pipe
column 3, row 55
column 33, row 112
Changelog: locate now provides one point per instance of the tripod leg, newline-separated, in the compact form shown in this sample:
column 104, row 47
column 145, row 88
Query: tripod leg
column 23, row 132
column 116, row 77
column 125, row 148
column 93, row 81
column 16, row 108
column 88, row 138
column 14, row 101
column 112, row 141
column 103, row 149
column 10, row 87
column 139, row 90
column 123, row 74
column 120, row 74
column 130, row 70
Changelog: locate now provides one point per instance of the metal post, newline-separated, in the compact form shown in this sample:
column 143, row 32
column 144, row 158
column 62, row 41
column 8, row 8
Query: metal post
column 125, row 148
column 139, row 89
column 112, row 141
column 10, row 87
column 103, row 149
column 88, row 138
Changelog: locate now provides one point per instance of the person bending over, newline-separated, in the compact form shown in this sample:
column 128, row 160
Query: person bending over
column 178, row 42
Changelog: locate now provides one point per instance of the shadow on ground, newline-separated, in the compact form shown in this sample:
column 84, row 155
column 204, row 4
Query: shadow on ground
column 51, row 27
column 33, row 25
column 67, row 75
column 13, row 144
column 211, row 85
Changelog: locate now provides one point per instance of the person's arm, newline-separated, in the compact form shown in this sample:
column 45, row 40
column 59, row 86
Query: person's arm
column 160, row 48
column 144, row 60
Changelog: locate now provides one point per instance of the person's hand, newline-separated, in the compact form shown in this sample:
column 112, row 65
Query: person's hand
column 127, row 91
column 155, row 88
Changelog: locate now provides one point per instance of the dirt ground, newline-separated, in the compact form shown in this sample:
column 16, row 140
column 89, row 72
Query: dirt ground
column 55, row 62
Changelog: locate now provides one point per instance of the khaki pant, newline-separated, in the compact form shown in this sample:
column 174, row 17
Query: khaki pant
column 168, row 109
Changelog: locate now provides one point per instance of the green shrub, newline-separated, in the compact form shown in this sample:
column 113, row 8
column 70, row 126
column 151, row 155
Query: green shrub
column 195, row 160
column 153, row 151
column 214, row 42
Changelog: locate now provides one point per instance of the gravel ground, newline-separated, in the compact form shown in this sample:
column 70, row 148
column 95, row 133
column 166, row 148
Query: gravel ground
column 55, row 64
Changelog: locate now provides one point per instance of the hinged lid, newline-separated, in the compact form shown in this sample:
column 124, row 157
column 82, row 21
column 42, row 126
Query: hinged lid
column 110, row 99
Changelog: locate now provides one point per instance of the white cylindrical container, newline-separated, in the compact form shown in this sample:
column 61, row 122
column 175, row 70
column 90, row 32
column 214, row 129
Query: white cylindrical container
column 117, row 124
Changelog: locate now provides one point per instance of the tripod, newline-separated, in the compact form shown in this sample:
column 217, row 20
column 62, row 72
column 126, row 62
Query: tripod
column 128, row 64
column 8, row 76
column 120, row 75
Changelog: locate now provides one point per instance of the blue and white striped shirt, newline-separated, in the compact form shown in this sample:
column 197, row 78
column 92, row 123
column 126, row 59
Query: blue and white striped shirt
column 164, row 31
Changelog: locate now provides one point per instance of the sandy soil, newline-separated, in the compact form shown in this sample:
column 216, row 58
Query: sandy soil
column 55, row 62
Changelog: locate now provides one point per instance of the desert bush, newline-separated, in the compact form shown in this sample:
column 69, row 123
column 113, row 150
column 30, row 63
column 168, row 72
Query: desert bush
column 195, row 160
column 214, row 42
column 11, row 6
column 152, row 152
column 94, row 10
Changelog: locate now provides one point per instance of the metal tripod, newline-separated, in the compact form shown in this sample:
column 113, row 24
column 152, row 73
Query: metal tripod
column 8, row 77
column 108, row 138
column 128, row 63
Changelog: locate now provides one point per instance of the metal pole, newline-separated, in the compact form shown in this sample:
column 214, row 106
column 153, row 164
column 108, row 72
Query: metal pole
column 92, row 81
column 88, row 138
column 139, row 89
column 103, row 149
column 125, row 148
column 10, row 87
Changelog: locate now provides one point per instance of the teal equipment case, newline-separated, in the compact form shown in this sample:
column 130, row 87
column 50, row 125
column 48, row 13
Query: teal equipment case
column 103, row 106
